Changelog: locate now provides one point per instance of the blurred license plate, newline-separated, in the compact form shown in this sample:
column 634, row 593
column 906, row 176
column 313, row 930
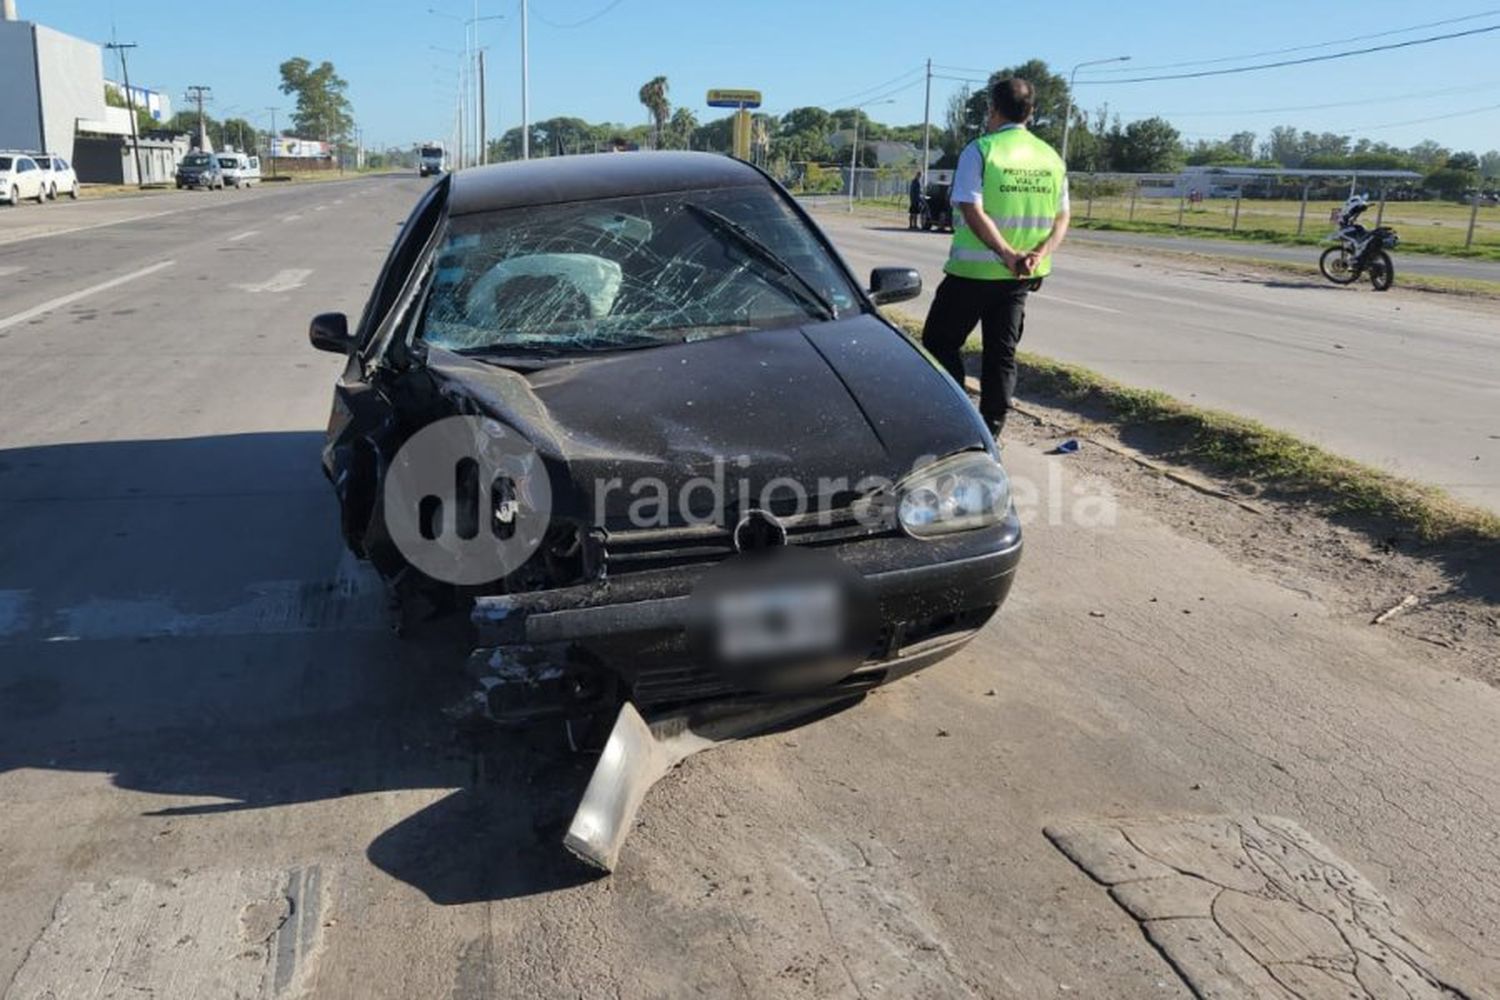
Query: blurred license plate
column 779, row 621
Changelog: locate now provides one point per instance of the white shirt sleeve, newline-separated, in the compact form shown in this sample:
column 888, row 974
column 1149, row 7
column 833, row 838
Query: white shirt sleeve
column 968, row 178
column 1064, row 204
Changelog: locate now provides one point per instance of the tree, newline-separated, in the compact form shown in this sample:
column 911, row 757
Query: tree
column 1051, row 91
column 1243, row 144
column 1463, row 161
column 1428, row 155
column 1283, row 146
column 1489, row 164
column 323, row 112
column 1150, row 145
column 143, row 120
column 681, row 128
column 653, row 95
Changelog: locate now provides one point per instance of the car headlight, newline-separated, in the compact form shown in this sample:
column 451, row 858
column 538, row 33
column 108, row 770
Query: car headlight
column 959, row 493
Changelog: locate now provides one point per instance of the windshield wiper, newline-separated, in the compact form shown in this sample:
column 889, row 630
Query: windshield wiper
column 800, row 287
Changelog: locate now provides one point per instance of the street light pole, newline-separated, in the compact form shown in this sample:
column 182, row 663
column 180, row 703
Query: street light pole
column 1068, row 108
column 135, row 139
column 271, row 142
column 525, row 87
column 854, row 147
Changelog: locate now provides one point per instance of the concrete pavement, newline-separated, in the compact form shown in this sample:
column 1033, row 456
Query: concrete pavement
column 220, row 773
column 1408, row 382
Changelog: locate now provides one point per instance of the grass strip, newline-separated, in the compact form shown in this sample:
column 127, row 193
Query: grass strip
column 1277, row 464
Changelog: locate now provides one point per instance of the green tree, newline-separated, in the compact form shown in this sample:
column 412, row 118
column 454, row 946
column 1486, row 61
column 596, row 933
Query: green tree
column 323, row 112
column 1150, row 145
column 1051, row 100
column 681, row 128
column 653, row 95
column 1489, row 164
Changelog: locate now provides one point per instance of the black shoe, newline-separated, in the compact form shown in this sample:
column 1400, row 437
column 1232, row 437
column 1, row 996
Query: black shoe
column 995, row 426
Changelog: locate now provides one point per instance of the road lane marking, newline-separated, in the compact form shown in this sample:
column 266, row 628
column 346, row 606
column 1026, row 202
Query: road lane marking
column 82, row 293
column 8, row 270
column 321, row 208
column 281, row 281
column 244, row 236
column 1081, row 305
column 290, row 218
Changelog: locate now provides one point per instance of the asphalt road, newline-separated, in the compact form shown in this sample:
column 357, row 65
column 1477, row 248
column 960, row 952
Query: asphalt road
column 220, row 774
column 1406, row 381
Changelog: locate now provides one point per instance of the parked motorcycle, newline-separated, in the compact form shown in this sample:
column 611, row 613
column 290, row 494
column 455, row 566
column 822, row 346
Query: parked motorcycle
column 1360, row 251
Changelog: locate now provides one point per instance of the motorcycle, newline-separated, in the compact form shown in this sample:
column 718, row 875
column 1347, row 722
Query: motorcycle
column 1360, row 251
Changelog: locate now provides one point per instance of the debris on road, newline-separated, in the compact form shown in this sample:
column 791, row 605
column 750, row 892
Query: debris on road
column 1405, row 604
column 1068, row 447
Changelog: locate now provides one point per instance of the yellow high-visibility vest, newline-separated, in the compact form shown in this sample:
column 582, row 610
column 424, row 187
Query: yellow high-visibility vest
column 1023, row 186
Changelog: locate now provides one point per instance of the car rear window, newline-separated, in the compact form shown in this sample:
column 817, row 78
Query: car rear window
column 626, row 272
column 6, row 162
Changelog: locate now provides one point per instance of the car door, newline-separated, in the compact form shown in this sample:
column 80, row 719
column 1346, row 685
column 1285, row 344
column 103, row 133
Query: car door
column 379, row 386
column 28, row 177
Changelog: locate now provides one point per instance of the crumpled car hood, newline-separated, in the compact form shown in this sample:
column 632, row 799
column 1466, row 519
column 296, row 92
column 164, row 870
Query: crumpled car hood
column 831, row 401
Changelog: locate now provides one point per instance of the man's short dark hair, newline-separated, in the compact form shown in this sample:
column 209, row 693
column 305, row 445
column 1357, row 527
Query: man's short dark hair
column 1014, row 99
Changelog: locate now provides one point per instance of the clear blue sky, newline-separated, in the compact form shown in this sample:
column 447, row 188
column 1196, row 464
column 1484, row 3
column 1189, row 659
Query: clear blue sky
column 815, row 53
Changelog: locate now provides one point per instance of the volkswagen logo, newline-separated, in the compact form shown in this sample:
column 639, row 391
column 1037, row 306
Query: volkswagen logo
column 758, row 531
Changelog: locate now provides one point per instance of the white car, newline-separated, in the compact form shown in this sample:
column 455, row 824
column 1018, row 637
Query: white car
column 20, row 177
column 58, row 174
column 240, row 169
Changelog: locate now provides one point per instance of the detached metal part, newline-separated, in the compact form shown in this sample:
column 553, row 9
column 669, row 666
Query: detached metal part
column 639, row 754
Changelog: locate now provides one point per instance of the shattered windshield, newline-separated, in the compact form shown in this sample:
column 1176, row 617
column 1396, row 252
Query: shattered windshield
column 629, row 272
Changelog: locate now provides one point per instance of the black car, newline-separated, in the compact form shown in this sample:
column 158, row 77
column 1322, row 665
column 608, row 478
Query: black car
column 689, row 468
column 200, row 170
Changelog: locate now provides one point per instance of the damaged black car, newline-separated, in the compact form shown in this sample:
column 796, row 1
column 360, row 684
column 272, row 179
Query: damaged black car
column 634, row 417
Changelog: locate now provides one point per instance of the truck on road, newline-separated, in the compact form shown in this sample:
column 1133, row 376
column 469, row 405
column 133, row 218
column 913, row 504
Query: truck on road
column 433, row 160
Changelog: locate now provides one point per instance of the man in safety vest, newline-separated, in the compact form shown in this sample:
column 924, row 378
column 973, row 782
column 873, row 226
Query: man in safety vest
column 1012, row 191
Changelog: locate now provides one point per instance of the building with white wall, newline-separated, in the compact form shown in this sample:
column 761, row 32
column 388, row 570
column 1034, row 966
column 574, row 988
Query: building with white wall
column 50, row 80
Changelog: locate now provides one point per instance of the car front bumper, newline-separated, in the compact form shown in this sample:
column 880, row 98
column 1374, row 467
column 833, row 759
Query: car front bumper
column 632, row 632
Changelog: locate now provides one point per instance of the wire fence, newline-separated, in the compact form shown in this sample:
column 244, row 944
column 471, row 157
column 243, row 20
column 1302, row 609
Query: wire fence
column 1280, row 211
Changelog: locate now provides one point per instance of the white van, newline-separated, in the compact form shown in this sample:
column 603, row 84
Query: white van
column 240, row 169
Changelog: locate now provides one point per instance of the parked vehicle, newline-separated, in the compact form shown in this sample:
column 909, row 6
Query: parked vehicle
column 1360, row 251
column 433, row 160
column 239, row 169
column 20, row 178
column 937, row 207
column 200, row 170
column 59, row 176
column 631, row 325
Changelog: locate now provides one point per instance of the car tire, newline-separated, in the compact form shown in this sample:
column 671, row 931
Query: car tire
column 41, row 196
column 15, row 197
column 73, row 192
column 52, row 193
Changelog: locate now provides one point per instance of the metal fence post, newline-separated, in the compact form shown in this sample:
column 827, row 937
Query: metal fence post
column 1090, row 216
column 1181, row 206
column 1473, row 217
column 1302, row 216
column 1135, row 187
column 1380, row 212
column 1239, row 193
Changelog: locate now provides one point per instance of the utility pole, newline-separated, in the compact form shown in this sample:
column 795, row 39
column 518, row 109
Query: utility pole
column 525, row 91
column 484, row 152
column 135, row 139
column 271, row 143
column 196, row 92
column 927, row 125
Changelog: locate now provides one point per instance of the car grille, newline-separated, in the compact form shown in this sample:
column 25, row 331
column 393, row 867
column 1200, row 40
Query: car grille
column 639, row 549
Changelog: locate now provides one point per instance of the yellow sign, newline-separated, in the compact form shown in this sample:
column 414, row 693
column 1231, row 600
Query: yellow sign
column 734, row 98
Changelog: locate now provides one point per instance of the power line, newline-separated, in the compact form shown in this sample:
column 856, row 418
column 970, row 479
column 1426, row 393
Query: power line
column 1303, row 48
column 1429, row 118
column 1361, row 102
column 1306, row 60
column 861, row 93
column 581, row 22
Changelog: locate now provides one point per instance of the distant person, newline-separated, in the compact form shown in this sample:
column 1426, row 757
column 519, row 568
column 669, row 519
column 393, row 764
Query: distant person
column 1011, row 189
column 914, row 206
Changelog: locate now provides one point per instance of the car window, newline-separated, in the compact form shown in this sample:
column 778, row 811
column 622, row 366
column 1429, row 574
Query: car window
column 197, row 160
column 630, row 271
column 24, row 164
column 62, row 164
column 5, row 162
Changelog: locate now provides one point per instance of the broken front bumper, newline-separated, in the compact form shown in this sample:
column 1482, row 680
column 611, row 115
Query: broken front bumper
column 931, row 598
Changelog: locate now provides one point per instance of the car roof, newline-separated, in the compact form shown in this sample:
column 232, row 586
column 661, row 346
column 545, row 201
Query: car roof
column 592, row 176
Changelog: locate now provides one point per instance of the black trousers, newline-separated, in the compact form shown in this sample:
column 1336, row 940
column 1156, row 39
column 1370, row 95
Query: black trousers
column 999, row 309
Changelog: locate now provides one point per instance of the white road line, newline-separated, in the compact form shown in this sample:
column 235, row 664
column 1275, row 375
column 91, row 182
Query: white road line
column 1049, row 297
column 281, row 281
column 83, row 293
column 244, row 236
column 8, row 270
column 290, row 218
column 321, row 208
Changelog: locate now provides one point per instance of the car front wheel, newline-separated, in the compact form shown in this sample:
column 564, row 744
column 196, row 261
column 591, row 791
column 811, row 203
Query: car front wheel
column 15, row 197
column 73, row 192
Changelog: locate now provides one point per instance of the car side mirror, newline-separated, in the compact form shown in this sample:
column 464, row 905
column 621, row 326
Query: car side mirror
column 894, row 284
column 330, row 332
